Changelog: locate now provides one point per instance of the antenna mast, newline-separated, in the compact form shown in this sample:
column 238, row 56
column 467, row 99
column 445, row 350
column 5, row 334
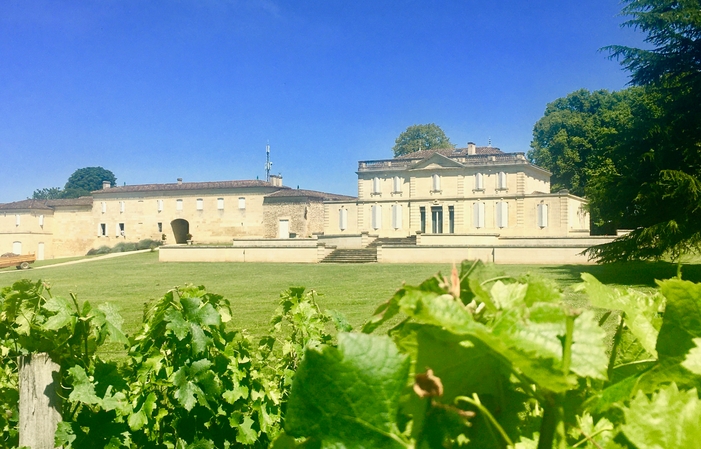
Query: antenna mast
column 268, row 164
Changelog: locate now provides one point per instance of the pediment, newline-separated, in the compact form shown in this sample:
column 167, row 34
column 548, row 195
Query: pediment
column 436, row 161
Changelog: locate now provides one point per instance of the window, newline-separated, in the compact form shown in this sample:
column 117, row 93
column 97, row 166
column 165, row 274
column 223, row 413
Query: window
column 17, row 219
column 478, row 214
column 479, row 181
column 501, row 180
column 121, row 207
column 220, row 203
column 376, row 186
column 422, row 213
column 376, row 216
column 397, row 184
column 160, row 205
column 397, row 216
column 160, row 227
column 437, row 219
column 120, row 229
column 242, row 203
column 102, row 230
column 542, row 215
column 451, row 219
column 178, row 204
column 436, row 183
column 502, row 214
column 104, row 207
column 343, row 219
column 17, row 247
column 200, row 204
column 41, row 221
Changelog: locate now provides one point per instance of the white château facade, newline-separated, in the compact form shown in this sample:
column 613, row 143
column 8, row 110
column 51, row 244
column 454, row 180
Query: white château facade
column 470, row 191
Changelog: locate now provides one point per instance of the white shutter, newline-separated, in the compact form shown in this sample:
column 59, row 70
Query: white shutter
column 343, row 219
column 375, row 185
column 542, row 215
column 17, row 219
column 397, row 216
column 121, row 207
column 376, row 217
column 478, row 214
column 436, row 183
column 397, row 184
column 116, row 230
column 41, row 221
column 501, row 180
column 200, row 204
column 220, row 203
column 160, row 205
column 502, row 214
column 242, row 203
column 178, row 204
column 479, row 181
column 104, row 207
column 99, row 229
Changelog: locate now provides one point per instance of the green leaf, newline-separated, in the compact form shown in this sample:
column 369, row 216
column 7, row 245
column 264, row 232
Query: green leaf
column 348, row 397
column 64, row 436
column 177, row 323
column 83, row 388
column 693, row 358
column 246, row 434
column 113, row 323
column 63, row 313
column 640, row 309
column 506, row 296
column 670, row 419
column 682, row 318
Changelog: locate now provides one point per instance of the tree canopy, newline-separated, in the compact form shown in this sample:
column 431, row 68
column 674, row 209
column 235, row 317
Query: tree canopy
column 80, row 183
column 636, row 154
column 421, row 137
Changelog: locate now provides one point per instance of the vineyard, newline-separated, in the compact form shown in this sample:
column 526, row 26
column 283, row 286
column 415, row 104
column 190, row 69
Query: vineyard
column 473, row 359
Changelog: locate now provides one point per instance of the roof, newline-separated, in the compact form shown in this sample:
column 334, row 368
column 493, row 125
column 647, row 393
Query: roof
column 32, row 204
column 448, row 152
column 187, row 186
column 311, row 194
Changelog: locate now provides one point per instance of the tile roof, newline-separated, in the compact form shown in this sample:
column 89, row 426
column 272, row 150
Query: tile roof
column 186, row 186
column 461, row 152
column 32, row 204
column 311, row 194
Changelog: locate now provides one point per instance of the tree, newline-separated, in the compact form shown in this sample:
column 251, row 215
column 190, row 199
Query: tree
column 85, row 180
column 421, row 137
column 50, row 193
column 654, row 182
column 575, row 133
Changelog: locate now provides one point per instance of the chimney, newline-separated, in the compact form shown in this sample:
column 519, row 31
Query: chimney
column 276, row 180
column 180, row 181
column 471, row 148
column 106, row 185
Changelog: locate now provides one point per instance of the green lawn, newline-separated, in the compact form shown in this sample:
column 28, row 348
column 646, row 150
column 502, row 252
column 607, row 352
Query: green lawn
column 354, row 290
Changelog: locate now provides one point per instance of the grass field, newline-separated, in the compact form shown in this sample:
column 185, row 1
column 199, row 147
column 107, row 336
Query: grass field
column 354, row 290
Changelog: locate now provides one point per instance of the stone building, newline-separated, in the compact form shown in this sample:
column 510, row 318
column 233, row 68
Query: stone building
column 466, row 191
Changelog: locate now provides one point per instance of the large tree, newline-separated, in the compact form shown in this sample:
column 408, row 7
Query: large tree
column 654, row 183
column 421, row 137
column 85, row 180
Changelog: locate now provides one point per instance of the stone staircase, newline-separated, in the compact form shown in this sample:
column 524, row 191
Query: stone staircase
column 364, row 255
column 368, row 254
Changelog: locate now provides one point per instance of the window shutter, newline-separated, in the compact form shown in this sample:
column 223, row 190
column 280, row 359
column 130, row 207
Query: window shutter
column 436, row 183
column 200, row 204
column 220, row 203
column 41, row 221
column 397, row 216
column 542, row 215
column 501, row 180
column 242, row 203
column 502, row 214
column 343, row 219
column 397, row 184
column 376, row 217
column 104, row 207
column 121, row 207
column 375, row 185
column 478, row 212
column 160, row 205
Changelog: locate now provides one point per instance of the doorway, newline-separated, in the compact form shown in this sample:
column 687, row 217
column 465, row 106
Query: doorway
column 284, row 229
column 181, row 228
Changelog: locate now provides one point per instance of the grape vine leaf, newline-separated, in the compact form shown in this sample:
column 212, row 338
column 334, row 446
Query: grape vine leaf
column 63, row 313
column 693, row 358
column 682, row 318
column 640, row 309
column 83, row 388
column 348, row 397
column 670, row 419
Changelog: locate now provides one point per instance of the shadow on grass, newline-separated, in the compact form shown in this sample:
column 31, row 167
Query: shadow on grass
column 636, row 274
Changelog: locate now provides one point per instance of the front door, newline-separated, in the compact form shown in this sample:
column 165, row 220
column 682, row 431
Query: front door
column 284, row 229
column 437, row 219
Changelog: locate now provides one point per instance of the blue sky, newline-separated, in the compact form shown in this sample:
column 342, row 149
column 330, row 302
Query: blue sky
column 195, row 88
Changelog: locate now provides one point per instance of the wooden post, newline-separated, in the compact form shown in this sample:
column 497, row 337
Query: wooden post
column 39, row 409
